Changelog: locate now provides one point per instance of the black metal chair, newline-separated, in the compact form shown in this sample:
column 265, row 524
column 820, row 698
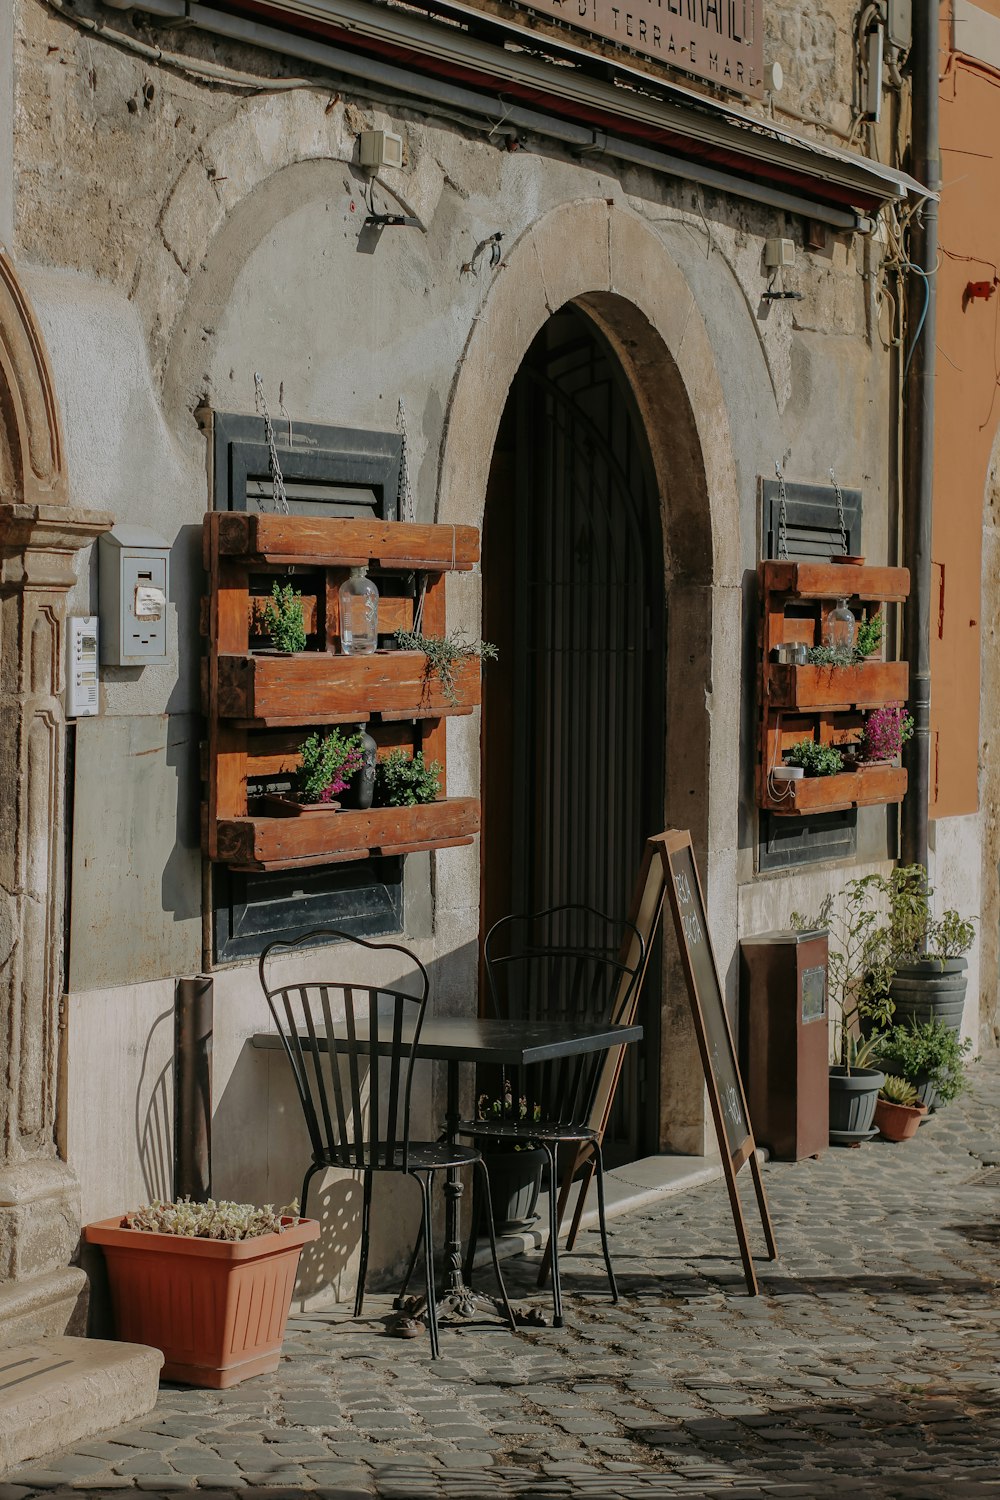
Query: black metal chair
column 355, row 1087
column 570, row 963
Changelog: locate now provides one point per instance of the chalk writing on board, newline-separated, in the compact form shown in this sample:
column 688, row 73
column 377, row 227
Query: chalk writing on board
column 728, row 1097
column 692, row 927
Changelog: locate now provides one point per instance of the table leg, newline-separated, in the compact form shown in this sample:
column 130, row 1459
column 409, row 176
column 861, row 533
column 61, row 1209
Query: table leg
column 455, row 1299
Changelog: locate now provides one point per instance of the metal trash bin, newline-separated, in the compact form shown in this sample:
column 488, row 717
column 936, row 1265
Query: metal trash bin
column 784, row 1041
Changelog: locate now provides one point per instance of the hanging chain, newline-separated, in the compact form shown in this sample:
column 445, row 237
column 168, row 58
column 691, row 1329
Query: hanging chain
column 277, row 482
column 841, row 518
column 782, row 515
column 404, row 492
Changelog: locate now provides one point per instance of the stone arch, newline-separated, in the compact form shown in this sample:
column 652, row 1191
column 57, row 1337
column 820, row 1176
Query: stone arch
column 614, row 267
column 263, row 135
column 32, row 463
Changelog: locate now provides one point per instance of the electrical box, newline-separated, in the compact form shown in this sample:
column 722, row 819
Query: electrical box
column 779, row 253
column 82, row 682
column 380, row 148
column 785, row 1041
column 134, row 582
column 899, row 24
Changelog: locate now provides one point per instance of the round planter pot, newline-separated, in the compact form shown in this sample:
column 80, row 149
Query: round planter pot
column 853, row 1096
column 515, row 1182
column 930, row 991
column 898, row 1122
column 216, row 1308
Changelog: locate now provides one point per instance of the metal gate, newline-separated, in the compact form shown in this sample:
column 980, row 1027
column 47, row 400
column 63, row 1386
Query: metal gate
column 588, row 668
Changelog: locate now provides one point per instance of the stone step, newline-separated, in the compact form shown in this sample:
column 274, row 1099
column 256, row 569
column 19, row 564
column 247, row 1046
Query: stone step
column 59, row 1390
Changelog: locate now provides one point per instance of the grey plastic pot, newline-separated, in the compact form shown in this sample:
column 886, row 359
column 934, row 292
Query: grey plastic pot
column 928, row 991
column 853, row 1096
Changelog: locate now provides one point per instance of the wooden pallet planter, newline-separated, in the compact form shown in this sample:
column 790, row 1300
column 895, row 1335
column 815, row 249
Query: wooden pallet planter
column 865, row 686
column 824, row 703
column 260, row 704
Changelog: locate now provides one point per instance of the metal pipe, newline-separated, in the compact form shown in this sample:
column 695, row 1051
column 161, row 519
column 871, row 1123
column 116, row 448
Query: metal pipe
column 918, row 454
column 193, row 1024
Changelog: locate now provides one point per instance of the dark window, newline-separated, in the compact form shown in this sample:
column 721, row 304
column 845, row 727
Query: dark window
column 328, row 471
column 812, row 529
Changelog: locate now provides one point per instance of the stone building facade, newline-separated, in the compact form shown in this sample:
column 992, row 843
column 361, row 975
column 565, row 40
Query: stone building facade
column 181, row 209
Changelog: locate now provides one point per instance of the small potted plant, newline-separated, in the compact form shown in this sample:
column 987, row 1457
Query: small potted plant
column 403, row 780
column 281, row 619
column 898, row 1111
column 209, row 1284
column 515, row 1168
column 326, row 764
column 814, row 758
column 929, row 1055
column 885, row 732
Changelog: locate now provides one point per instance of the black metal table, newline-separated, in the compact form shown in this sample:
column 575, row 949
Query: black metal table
column 469, row 1039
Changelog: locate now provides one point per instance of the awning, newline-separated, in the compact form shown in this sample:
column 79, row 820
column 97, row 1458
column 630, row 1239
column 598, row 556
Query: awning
column 468, row 61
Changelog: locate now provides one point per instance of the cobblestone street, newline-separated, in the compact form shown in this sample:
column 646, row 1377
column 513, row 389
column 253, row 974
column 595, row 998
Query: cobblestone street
column 869, row 1366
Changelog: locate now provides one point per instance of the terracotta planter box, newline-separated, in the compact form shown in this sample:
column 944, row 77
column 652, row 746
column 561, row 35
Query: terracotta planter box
column 216, row 1308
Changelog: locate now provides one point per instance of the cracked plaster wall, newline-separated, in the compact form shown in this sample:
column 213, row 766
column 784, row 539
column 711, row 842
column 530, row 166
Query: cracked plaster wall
column 174, row 246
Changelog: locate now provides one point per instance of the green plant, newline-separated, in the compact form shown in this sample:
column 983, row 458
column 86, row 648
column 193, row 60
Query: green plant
column 403, row 781
column 445, row 653
column 869, row 636
column 211, row 1220
column 927, row 1050
column 503, row 1109
column 814, row 758
column 281, row 618
column 830, row 656
column 327, row 763
column 898, row 1091
column 859, row 969
column 913, row 932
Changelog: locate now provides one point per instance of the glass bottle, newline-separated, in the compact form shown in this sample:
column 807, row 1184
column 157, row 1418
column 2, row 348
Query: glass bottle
column 358, row 614
column 361, row 789
column 841, row 628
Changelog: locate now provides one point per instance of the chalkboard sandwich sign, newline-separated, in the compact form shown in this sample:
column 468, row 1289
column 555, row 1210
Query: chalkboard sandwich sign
column 715, row 1039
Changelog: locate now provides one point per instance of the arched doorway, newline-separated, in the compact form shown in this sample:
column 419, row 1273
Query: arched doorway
column 573, row 711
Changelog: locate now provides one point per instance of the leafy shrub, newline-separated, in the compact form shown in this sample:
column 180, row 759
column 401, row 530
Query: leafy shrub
column 211, row 1220
column 403, row 781
column 859, row 970
column 282, row 619
column 927, row 1050
column 814, row 758
column 328, row 761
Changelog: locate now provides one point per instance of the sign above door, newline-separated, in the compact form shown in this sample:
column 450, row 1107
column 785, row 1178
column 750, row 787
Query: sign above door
column 719, row 41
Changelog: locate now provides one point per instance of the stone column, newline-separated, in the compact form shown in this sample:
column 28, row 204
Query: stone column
column 39, row 1199
column 40, row 1292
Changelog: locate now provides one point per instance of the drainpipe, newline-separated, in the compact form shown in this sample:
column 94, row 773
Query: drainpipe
column 918, row 452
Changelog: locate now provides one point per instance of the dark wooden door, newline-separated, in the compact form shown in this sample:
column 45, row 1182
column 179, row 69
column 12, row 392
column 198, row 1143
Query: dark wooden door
column 573, row 721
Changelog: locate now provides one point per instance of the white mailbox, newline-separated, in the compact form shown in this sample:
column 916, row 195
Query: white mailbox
column 134, row 581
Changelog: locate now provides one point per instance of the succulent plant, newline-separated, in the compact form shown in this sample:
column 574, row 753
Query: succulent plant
column 211, row 1220
column 898, row 1091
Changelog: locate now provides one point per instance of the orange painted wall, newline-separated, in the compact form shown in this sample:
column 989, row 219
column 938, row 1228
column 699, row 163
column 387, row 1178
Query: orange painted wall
column 967, row 411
